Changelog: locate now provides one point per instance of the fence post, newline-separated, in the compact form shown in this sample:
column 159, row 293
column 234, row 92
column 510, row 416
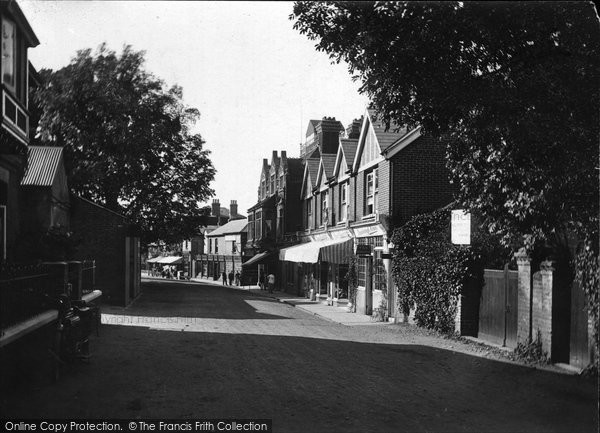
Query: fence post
column 542, row 305
column 524, row 296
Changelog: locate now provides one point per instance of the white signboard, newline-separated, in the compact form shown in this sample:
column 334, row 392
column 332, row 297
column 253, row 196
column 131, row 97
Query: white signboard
column 461, row 227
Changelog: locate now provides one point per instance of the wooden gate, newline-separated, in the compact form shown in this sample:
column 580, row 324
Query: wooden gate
column 498, row 307
column 579, row 351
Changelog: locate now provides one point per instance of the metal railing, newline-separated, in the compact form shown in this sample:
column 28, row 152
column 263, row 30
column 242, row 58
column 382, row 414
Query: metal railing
column 23, row 290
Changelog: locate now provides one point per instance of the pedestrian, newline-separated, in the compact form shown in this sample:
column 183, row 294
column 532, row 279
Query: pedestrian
column 306, row 286
column 261, row 280
column 237, row 278
column 224, row 277
column 231, row 278
column 271, row 282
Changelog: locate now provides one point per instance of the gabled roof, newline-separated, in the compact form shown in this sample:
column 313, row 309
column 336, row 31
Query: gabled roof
column 346, row 152
column 385, row 139
column 311, row 169
column 43, row 165
column 349, row 146
column 326, row 166
column 236, row 226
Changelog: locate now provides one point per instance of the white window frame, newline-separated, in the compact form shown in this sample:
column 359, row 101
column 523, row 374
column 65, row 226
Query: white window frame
column 344, row 202
column 371, row 192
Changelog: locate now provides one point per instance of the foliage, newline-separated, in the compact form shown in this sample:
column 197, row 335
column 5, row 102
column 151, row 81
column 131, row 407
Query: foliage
column 352, row 278
column 430, row 272
column 128, row 141
column 513, row 85
column 531, row 352
column 587, row 276
column 54, row 244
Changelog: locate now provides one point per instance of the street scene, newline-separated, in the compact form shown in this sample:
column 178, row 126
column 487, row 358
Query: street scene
column 185, row 350
column 299, row 216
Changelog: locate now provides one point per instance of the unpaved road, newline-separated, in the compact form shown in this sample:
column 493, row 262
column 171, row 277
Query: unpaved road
column 199, row 351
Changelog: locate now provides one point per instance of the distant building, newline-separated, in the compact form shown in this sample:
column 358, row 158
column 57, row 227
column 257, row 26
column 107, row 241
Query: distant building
column 224, row 250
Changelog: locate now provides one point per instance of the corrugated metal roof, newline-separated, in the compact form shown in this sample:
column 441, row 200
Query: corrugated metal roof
column 42, row 165
column 236, row 226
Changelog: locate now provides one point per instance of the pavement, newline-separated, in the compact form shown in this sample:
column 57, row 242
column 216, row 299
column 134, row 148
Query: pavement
column 189, row 350
column 338, row 314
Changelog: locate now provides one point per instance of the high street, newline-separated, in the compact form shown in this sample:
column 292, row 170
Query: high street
column 190, row 350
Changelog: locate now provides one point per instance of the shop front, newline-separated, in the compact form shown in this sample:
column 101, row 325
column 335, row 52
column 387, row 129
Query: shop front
column 316, row 266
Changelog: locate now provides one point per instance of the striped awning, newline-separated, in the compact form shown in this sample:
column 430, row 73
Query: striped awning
column 331, row 250
column 339, row 252
column 169, row 260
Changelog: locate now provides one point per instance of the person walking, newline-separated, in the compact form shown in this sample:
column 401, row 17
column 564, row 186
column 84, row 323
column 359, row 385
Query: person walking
column 224, row 277
column 261, row 280
column 237, row 278
column 230, row 278
column 271, row 282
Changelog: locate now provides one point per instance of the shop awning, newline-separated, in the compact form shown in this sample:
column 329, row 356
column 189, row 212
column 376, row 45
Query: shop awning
column 167, row 260
column 331, row 250
column 257, row 259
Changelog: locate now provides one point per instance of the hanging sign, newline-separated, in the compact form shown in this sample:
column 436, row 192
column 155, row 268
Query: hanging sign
column 460, row 227
column 363, row 250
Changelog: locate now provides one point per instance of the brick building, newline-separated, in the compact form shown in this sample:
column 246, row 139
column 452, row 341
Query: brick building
column 379, row 179
column 108, row 238
column 275, row 220
column 224, row 250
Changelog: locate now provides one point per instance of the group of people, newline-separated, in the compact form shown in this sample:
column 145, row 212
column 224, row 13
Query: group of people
column 166, row 271
column 231, row 277
column 266, row 283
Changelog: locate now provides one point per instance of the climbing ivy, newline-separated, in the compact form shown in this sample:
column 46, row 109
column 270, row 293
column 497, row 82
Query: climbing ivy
column 430, row 272
column 587, row 275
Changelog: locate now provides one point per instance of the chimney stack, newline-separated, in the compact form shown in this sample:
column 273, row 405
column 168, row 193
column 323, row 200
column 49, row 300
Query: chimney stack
column 233, row 210
column 353, row 130
column 216, row 208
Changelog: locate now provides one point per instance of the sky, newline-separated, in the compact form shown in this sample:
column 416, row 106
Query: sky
column 256, row 81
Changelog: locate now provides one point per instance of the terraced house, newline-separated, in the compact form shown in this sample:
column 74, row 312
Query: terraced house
column 351, row 200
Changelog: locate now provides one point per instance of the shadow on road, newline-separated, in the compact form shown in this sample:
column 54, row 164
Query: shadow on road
column 307, row 384
column 162, row 298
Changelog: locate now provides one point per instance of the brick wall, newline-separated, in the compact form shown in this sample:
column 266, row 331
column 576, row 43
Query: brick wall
column 360, row 196
column 103, row 236
column 541, row 307
column 524, row 297
column 383, row 205
column 420, row 179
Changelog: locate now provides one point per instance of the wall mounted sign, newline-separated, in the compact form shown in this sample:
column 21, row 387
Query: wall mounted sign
column 460, row 224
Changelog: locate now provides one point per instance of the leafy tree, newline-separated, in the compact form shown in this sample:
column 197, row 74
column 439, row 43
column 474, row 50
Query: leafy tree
column 128, row 141
column 514, row 84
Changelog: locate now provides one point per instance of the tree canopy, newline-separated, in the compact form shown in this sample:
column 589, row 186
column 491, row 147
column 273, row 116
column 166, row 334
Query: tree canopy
column 514, row 85
column 128, row 139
